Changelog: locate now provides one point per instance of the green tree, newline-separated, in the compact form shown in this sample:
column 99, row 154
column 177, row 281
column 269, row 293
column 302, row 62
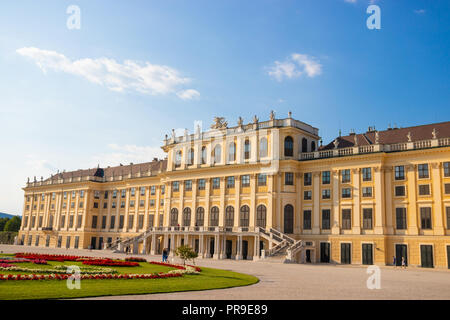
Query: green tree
column 186, row 253
column 3, row 221
column 13, row 224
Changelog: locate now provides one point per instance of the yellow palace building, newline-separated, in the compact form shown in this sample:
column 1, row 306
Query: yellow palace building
column 266, row 190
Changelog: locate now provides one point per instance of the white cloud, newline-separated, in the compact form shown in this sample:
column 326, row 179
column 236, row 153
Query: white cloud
column 350, row 1
column 131, row 75
column 419, row 11
column 127, row 153
column 295, row 66
column 188, row 94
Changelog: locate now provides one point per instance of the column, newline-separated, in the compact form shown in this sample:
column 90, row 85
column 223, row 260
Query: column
column 172, row 244
column 336, row 210
column 201, row 245
column 388, row 196
column 144, row 246
column 298, row 203
column 223, row 254
column 256, row 248
column 237, row 199
column 252, row 216
column 270, row 207
column 412, row 197
column 316, row 203
column 153, row 245
column 438, row 224
column 356, row 223
column 239, row 246
column 380, row 219
column 216, row 247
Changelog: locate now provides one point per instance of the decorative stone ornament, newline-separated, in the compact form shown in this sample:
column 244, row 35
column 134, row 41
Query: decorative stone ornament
column 272, row 115
column 219, row 123
column 434, row 133
column 409, row 136
column 354, row 138
column 377, row 137
column 240, row 122
column 336, row 143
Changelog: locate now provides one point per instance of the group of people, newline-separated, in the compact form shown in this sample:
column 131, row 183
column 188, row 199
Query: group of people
column 403, row 264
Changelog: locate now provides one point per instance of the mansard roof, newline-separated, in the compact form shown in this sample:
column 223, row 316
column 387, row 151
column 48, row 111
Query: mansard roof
column 392, row 136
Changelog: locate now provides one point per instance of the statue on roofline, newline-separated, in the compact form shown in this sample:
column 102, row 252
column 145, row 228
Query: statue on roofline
column 219, row 123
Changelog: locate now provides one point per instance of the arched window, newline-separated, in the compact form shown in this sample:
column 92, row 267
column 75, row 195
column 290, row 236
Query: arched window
column 214, row 219
column 261, row 213
column 288, row 146
column 174, row 217
column 191, row 157
column 244, row 216
column 232, row 152
column 229, row 216
column 187, row 217
column 304, row 145
column 178, row 157
column 247, row 147
column 288, row 219
column 313, row 146
column 203, row 155
column 263, row 148
column 217, row 153
column 200, row 217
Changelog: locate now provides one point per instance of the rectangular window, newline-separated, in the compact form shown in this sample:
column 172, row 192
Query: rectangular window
column 367, row 174
column 79, row 221
column 400, row 218
column 326, row 194
column 141, row 203
column 262, row 179
column 230, row 182
column 65, row 195
column 400, row 191
column 80, row 205
column 153, row 190
column 40, row 222
column 130, row 222
column 104, row 222
column 141, row 221
column 307, row 195
column 447, row 210
column 307, row 219
column 367, row 218
column 424, row 189
column 94, row 222
column 82, row 194
column 423, row 171
column 367, row 191
column 245, row 181
column 447, row 188
column 399, row 172
column 96, row 194
column 175, row 186
column 345, row 174
column 446, row 166
column 346, row 192
column 71, row 221
column 105, row 205
column 133, row 192
column 325, row 177
column 188, row 185
column 63, row 221
column 151, row 220
column 113, row 204
column 346, row 219
column 152, row 202
column 425, row 217
column 121, row 221
column 123, row 193
column 142, row 191
column 201, row 184
column 105, row 196
column 163, row 189
column 307, row 179
column 95, row 205
column 289, row 179
column 122, row 204
column 326, row 219
column 216, row 183
column 131, row 203
column 112, row 222
column 114, row 194
column 33, row 221
column 53, row 196
column 77, row 242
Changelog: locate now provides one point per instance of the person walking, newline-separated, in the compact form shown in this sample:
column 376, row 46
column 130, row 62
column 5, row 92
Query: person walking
column 394, row 262
column 403, row 262
column 164, row 255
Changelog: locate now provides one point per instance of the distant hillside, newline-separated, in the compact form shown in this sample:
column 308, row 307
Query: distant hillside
column 5, row 215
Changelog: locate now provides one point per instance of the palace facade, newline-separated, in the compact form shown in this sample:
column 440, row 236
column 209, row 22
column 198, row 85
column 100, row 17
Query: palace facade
column 262, row 190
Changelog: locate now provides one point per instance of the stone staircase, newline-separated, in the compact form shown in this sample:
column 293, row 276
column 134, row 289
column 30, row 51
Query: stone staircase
column 285, row 247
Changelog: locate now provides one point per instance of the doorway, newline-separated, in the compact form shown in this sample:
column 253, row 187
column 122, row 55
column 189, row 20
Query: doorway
column 448, row 256
column 196, row 245
column 346, row 253
column 244, row 249
column 324, row 252
column 367, row 253
column 401, row 251
column 308, row 256
column 288, row 219
column 211, row 247
column 426, row 254
column 261, row 247
column 93, row 242
column 228, row 248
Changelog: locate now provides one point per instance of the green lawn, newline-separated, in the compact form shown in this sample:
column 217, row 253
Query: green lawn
column 55, row 289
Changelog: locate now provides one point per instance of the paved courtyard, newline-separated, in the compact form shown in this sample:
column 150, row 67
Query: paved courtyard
column 295, row 281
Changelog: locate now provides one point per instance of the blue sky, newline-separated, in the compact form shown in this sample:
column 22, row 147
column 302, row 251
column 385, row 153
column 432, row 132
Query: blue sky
column 69, row 99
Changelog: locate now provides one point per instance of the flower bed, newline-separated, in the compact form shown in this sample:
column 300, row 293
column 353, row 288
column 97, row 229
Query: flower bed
column 134, row 259
column 48, row 257
column 5, row 265
column 88, row 276
column 109, row 262
column 55, row 269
